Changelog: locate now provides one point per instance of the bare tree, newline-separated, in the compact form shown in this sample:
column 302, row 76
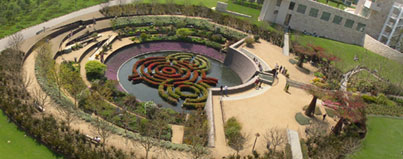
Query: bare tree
column 54, row 75
column 15, row 41
column 238, row 143
column 40, row 99
column 198, row 130
column 69, row 116
column 147, row 142
column 101, row 129
column 27, row 80
column 274, row 137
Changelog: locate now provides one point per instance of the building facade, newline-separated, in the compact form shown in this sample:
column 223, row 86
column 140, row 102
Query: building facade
column 380, row 19
column 385, row 20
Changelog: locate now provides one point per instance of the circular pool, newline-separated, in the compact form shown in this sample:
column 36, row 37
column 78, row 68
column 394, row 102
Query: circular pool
column 131, row 59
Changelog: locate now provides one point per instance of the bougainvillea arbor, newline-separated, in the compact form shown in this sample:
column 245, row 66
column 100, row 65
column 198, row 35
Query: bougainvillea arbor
column 174, row 75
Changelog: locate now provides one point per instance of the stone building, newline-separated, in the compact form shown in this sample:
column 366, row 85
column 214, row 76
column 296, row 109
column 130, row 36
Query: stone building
column 385, row 20
column 380, row 19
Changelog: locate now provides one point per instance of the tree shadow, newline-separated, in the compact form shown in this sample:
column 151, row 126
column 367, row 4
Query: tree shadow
column 303, row 70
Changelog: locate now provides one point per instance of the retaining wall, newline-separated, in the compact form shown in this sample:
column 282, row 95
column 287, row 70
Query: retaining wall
column 381, row 49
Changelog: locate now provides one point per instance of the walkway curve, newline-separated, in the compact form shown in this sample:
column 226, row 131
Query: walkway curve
column 31, row 31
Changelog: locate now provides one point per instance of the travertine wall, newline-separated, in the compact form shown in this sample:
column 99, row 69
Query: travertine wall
column 240, row 63
column 375, row 46
column 377, row 19
column 304, row 22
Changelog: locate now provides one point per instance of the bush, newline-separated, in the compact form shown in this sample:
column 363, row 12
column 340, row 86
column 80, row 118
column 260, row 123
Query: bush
column 302, row 120
column 249, row 42
column 95, row 70
column 183, row 32
column 232, row 129
column 369, row 99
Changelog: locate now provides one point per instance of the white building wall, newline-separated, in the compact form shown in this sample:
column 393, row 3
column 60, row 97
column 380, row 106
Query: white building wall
column 304, row 22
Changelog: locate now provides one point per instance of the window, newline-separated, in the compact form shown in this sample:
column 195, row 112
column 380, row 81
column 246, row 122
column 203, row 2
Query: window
column 325, row 16
column 278, row 3
column 301, row 9
column 313, row 12
column 292, row 5
column 361, row 27
column 337, row 19
column 349, row 23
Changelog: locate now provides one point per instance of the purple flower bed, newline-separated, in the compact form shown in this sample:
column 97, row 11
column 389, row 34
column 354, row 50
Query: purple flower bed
column 116, row 60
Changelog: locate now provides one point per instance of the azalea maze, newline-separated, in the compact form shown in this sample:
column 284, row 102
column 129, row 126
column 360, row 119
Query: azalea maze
column 179, row 76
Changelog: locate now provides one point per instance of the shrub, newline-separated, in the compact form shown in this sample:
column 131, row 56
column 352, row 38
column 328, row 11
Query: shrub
column 369, row 99
column 143, row 36
column 95, row 70
column 256, row 37
column 249, row 42
column 232, row 126
column 183, row 32
column 301, row 119
column 391, row 110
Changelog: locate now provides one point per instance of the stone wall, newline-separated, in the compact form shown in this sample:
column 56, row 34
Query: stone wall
column 375, row 46
column 240, row 63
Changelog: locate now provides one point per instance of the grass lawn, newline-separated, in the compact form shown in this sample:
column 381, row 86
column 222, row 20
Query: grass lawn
column 384, row 139
column 47, row 9
column 231, row 7
column 21, row 146
column 388, row 69
column 333, row 4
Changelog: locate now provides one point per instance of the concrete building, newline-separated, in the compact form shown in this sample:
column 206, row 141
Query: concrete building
column 380, row 19
column 385, row 20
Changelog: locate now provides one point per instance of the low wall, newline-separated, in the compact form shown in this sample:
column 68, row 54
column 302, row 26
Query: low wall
column 246, row 68
column 240, row 63
column 381, row 49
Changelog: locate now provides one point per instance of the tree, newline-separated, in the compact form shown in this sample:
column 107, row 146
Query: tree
column 72, row 82
column 274, row 137
column 302, row 52
column 15, row 41
column 147, row 142
column 351, row 109
column 103, row 130
column 58, row 81
column 69, row 116
column 40, row 98
column 196, row 125
column 317, row 93
column 95, row 70
column 235, row 138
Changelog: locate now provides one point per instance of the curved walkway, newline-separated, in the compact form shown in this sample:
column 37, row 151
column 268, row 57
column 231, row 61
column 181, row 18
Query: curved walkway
column 31, row 31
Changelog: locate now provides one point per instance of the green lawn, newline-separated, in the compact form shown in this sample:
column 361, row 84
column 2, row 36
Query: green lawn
column 333, row 4
column 384, row 139
column 388, row 69
column 20, row 146
column 17, row 15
